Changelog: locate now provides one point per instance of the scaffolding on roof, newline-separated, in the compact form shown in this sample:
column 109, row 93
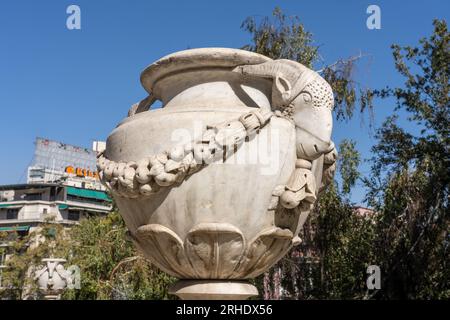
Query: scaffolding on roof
column 54, row 155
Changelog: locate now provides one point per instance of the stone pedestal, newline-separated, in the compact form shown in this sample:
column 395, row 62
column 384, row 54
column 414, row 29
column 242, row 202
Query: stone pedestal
column 213, row 290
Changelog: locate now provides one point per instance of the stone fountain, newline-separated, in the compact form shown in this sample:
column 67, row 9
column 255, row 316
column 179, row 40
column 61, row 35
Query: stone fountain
column 216, row 185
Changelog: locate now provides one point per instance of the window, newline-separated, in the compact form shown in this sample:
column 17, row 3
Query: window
column 37, row 173
column 12, row 214
column 87, row 200
column 52, row 194
column 73, row 215
column 44, row 212
column 33, row 196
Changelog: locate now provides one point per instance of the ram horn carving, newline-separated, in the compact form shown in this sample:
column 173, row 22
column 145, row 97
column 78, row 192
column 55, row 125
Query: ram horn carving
column 308, row 97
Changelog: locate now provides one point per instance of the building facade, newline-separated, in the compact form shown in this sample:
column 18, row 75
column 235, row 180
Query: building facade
column 25, row 206
column 62, row 187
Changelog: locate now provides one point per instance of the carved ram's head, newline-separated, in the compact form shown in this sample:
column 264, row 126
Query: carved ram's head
column 308, row 95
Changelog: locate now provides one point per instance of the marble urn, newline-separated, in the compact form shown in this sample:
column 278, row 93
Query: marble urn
column 215, row 185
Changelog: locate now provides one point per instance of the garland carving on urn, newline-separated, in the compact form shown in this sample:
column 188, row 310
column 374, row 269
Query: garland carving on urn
column 193, row 211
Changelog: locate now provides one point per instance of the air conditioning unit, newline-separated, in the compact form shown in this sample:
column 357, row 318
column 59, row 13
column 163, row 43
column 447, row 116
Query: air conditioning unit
column 7, row 195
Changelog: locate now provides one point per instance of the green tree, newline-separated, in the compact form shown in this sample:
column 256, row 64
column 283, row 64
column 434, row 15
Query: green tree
column 49, row 240
column 332, row 259
column 285, row 37
column 409, row 184
column 335, row 252
column 110, row 266
column 408, row 187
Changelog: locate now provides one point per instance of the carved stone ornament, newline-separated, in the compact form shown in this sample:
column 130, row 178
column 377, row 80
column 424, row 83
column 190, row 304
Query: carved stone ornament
column 51, row 278
column 216, row 185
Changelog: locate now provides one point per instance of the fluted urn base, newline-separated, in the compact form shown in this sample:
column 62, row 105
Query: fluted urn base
column 213, row 290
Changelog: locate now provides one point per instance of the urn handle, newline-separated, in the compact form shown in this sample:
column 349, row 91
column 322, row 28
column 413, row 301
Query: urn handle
column 141, row 106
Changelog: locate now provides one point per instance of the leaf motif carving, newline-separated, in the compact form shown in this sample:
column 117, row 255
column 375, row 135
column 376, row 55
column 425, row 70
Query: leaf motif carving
column 214, row 249
column 265, row 250
column 165, row 249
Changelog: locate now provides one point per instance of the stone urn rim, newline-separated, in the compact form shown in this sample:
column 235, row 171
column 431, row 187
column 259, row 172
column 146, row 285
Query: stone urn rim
column 54, row 260
column 194, row 59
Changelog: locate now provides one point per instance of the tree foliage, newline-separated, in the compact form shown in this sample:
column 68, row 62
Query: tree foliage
column 27, row 253
column 348, row 164
column 281, row 38
column 285, row 37
column 409, row 184
column 335, row 252
column 407, row 236
column 111, row 268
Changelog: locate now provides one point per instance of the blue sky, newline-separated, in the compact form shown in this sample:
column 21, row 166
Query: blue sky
column 75, row 85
